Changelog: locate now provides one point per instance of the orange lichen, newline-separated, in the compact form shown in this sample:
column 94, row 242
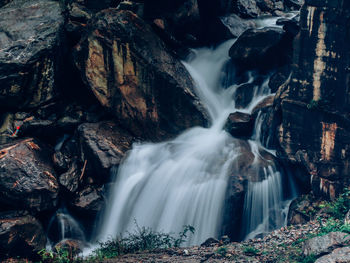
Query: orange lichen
column 328, row 140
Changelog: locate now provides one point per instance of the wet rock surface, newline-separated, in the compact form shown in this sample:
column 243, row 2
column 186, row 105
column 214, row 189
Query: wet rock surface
column 240, row 124
column 134, row 86
column 27, row 179
column 314, row 130
column 261, row 48
column 30, row 44
column 151, row 92
column 103, row 145
column 20, row 236
column 89, row 201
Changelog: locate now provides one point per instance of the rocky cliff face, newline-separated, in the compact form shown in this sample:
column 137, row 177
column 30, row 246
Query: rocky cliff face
column 315, row 111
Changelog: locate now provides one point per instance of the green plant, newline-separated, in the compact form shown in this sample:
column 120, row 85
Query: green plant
column 309, row 259
column 142, row 239
column 251, row 251
column 334, row 225
column 183, row 235
column 60, row 256
column 341, row 205
column 222, row 251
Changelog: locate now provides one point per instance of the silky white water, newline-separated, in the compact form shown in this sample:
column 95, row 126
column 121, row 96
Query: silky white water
column 63, row 226
column 180, row 182
column 168, row 185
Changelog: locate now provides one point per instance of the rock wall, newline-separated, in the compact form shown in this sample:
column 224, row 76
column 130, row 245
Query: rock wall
column 315, row 129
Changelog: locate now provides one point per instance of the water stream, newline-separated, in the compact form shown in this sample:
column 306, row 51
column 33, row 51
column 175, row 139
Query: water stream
column 184, row 181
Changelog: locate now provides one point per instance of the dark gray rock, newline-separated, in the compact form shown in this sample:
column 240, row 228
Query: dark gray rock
column 70, row 179
column 240, row 124
column 89, row 201
column 236, row 25
column 246, row 8
column 103, row 145
column 261, row 48
column 210, row 242
column 21, row 236
column 244, row 95
column 27, row 180
column 30, row 44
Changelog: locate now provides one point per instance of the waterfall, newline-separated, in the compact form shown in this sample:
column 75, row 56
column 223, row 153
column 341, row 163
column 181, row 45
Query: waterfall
column 183, row 181
column 167, row 185
column 63, row 226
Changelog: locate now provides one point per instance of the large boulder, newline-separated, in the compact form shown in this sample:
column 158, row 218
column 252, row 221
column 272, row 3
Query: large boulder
column 30, row 44
column 339, row 255
column 103, row 145
column 240, row 124
column 132, row 74
column 179, row 18
column 263, row 48
column 246, row 8
column 322, row 245
column 27, row 180
column 236, row 25
column 20, row 236
column 244, row 94
column 89, row 202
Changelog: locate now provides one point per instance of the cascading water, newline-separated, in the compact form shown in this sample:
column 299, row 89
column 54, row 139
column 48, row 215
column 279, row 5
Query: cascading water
column 167, row 185
column 63, row 226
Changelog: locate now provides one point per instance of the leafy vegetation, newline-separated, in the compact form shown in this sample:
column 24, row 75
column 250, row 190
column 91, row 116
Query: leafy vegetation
column 222, row 251
column 341, row 205
column 60, row 256
column 141, row 240
column 251, row 251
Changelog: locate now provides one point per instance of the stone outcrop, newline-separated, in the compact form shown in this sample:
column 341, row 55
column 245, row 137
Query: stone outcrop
column 20, row 236
column 103, row 145
column 315, row 130
column 240, row 124
column 89, row 202
column 322, row 245
column 132, row 74
column 264, row 48
column 27, row 180
column 339, row 255
column 30, row 44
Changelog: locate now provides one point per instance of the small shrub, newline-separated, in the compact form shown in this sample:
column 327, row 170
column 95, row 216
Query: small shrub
column 251, row 251
column 142, row 239
column 309, row 259
column 341, row 205
column 222, row 251
column 60, row 256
